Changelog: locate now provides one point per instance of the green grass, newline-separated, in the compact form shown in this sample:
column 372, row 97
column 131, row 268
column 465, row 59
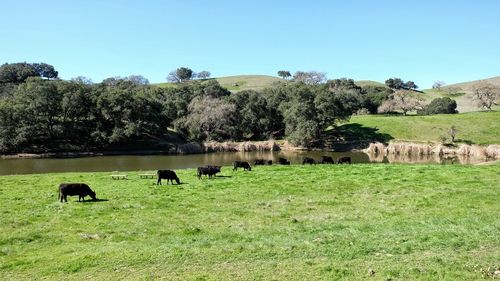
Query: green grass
column 405, row 222
column 473, row 127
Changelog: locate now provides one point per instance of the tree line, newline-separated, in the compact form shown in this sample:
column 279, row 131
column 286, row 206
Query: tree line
column 41, row 113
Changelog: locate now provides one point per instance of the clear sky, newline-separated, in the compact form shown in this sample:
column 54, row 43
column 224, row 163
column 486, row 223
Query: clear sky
column 420, row 40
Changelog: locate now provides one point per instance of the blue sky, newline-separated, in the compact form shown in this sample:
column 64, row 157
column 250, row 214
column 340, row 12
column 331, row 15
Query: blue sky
column 421, row 41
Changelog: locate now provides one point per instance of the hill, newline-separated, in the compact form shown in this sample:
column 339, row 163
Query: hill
column 241, row 82
column 258, row 82
column 473, row 127
column 461, row 93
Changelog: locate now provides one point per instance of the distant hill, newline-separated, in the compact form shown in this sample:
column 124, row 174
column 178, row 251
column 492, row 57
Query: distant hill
column 461, row 93
column 241, row 82
column 258, row 82
column 364, row 83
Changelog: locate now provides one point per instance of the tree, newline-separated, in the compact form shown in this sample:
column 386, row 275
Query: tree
column 209, row 119
column 310, row 78
column 172, row 77
column 82, row 80
column 184, row 74
column 374, row 96
column 402, row 100
column 440, row 106
column 395, row 83
column 438, row 84
column 46, row 70
column 284, row 74
column 410, row 85
column 486, row 95
column 17, row 72
column 138, row 79
column 203, row 74
column 453, row 133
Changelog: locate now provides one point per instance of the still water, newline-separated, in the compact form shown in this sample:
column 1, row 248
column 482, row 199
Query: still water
column 155, row 162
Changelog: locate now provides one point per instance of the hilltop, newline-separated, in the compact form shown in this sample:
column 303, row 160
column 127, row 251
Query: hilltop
column 241, row 82
column 237, row 83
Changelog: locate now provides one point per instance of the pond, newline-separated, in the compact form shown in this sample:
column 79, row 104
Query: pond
column 155, row 162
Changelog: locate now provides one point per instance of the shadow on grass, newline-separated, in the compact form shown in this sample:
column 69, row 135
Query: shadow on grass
column 94, row 201
column 469, row 142
column 354, row 136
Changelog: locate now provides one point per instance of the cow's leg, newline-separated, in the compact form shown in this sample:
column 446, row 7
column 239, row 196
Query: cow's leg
column 66, row 198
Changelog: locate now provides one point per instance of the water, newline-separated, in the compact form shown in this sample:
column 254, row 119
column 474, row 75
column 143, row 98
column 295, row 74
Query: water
column 155, row 162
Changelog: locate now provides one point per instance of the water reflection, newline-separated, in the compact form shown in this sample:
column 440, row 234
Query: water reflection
column 423, row 159
column 154, row 162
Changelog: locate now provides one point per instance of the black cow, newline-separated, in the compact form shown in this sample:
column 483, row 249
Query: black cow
column 208, row 170
column 308, row 160
column 73, row 189
column 327, row 160
column 259, row 162
column 283, row 161
column 241, row 164
column 344, row 159
column 269, row 162
column 169, row 175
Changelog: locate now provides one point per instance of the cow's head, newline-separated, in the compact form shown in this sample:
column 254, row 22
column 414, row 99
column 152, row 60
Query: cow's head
column 92, row 195
column 177, row 180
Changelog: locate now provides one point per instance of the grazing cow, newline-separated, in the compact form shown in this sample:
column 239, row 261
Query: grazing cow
column 308, row 160
column 241, row 164
column 327, row 160
column 72, row 189
column 169, row 175
column 259, row 162
column 208, row 170
column 283, row 161
column 343, row 160
column 269, row 162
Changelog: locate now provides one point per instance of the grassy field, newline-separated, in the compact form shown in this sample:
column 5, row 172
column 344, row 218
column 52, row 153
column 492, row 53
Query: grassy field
column 400, row 222
column 473, row 127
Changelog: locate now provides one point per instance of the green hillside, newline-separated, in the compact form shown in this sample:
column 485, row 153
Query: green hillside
column 461, row 93
column 473, row 127
column 241, row 82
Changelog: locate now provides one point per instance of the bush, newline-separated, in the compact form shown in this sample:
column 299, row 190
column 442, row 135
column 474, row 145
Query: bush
column 440, row 106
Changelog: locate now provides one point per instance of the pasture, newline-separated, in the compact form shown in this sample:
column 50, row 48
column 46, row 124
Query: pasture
column 473, row 127
column 313, row 222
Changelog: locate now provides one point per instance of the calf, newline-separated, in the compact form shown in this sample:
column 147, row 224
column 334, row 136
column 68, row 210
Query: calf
column 343, row 160
column 169, row 175
column 241, row 164
column 259, row 162
column 208, row 170
column 73, row 189
column 327, row 160
column 308, row 160
column 283, row 161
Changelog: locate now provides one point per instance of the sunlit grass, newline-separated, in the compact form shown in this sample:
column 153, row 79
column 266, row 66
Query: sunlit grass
column 280, row 222
column 474, row 127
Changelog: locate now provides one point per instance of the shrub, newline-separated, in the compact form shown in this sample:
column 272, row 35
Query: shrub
column 440, row 106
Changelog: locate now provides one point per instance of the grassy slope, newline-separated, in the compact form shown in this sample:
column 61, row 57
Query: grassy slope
column 258, row 82
column 477, row 127
column 405, row 222
column 465, row 103
column 241, row 82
